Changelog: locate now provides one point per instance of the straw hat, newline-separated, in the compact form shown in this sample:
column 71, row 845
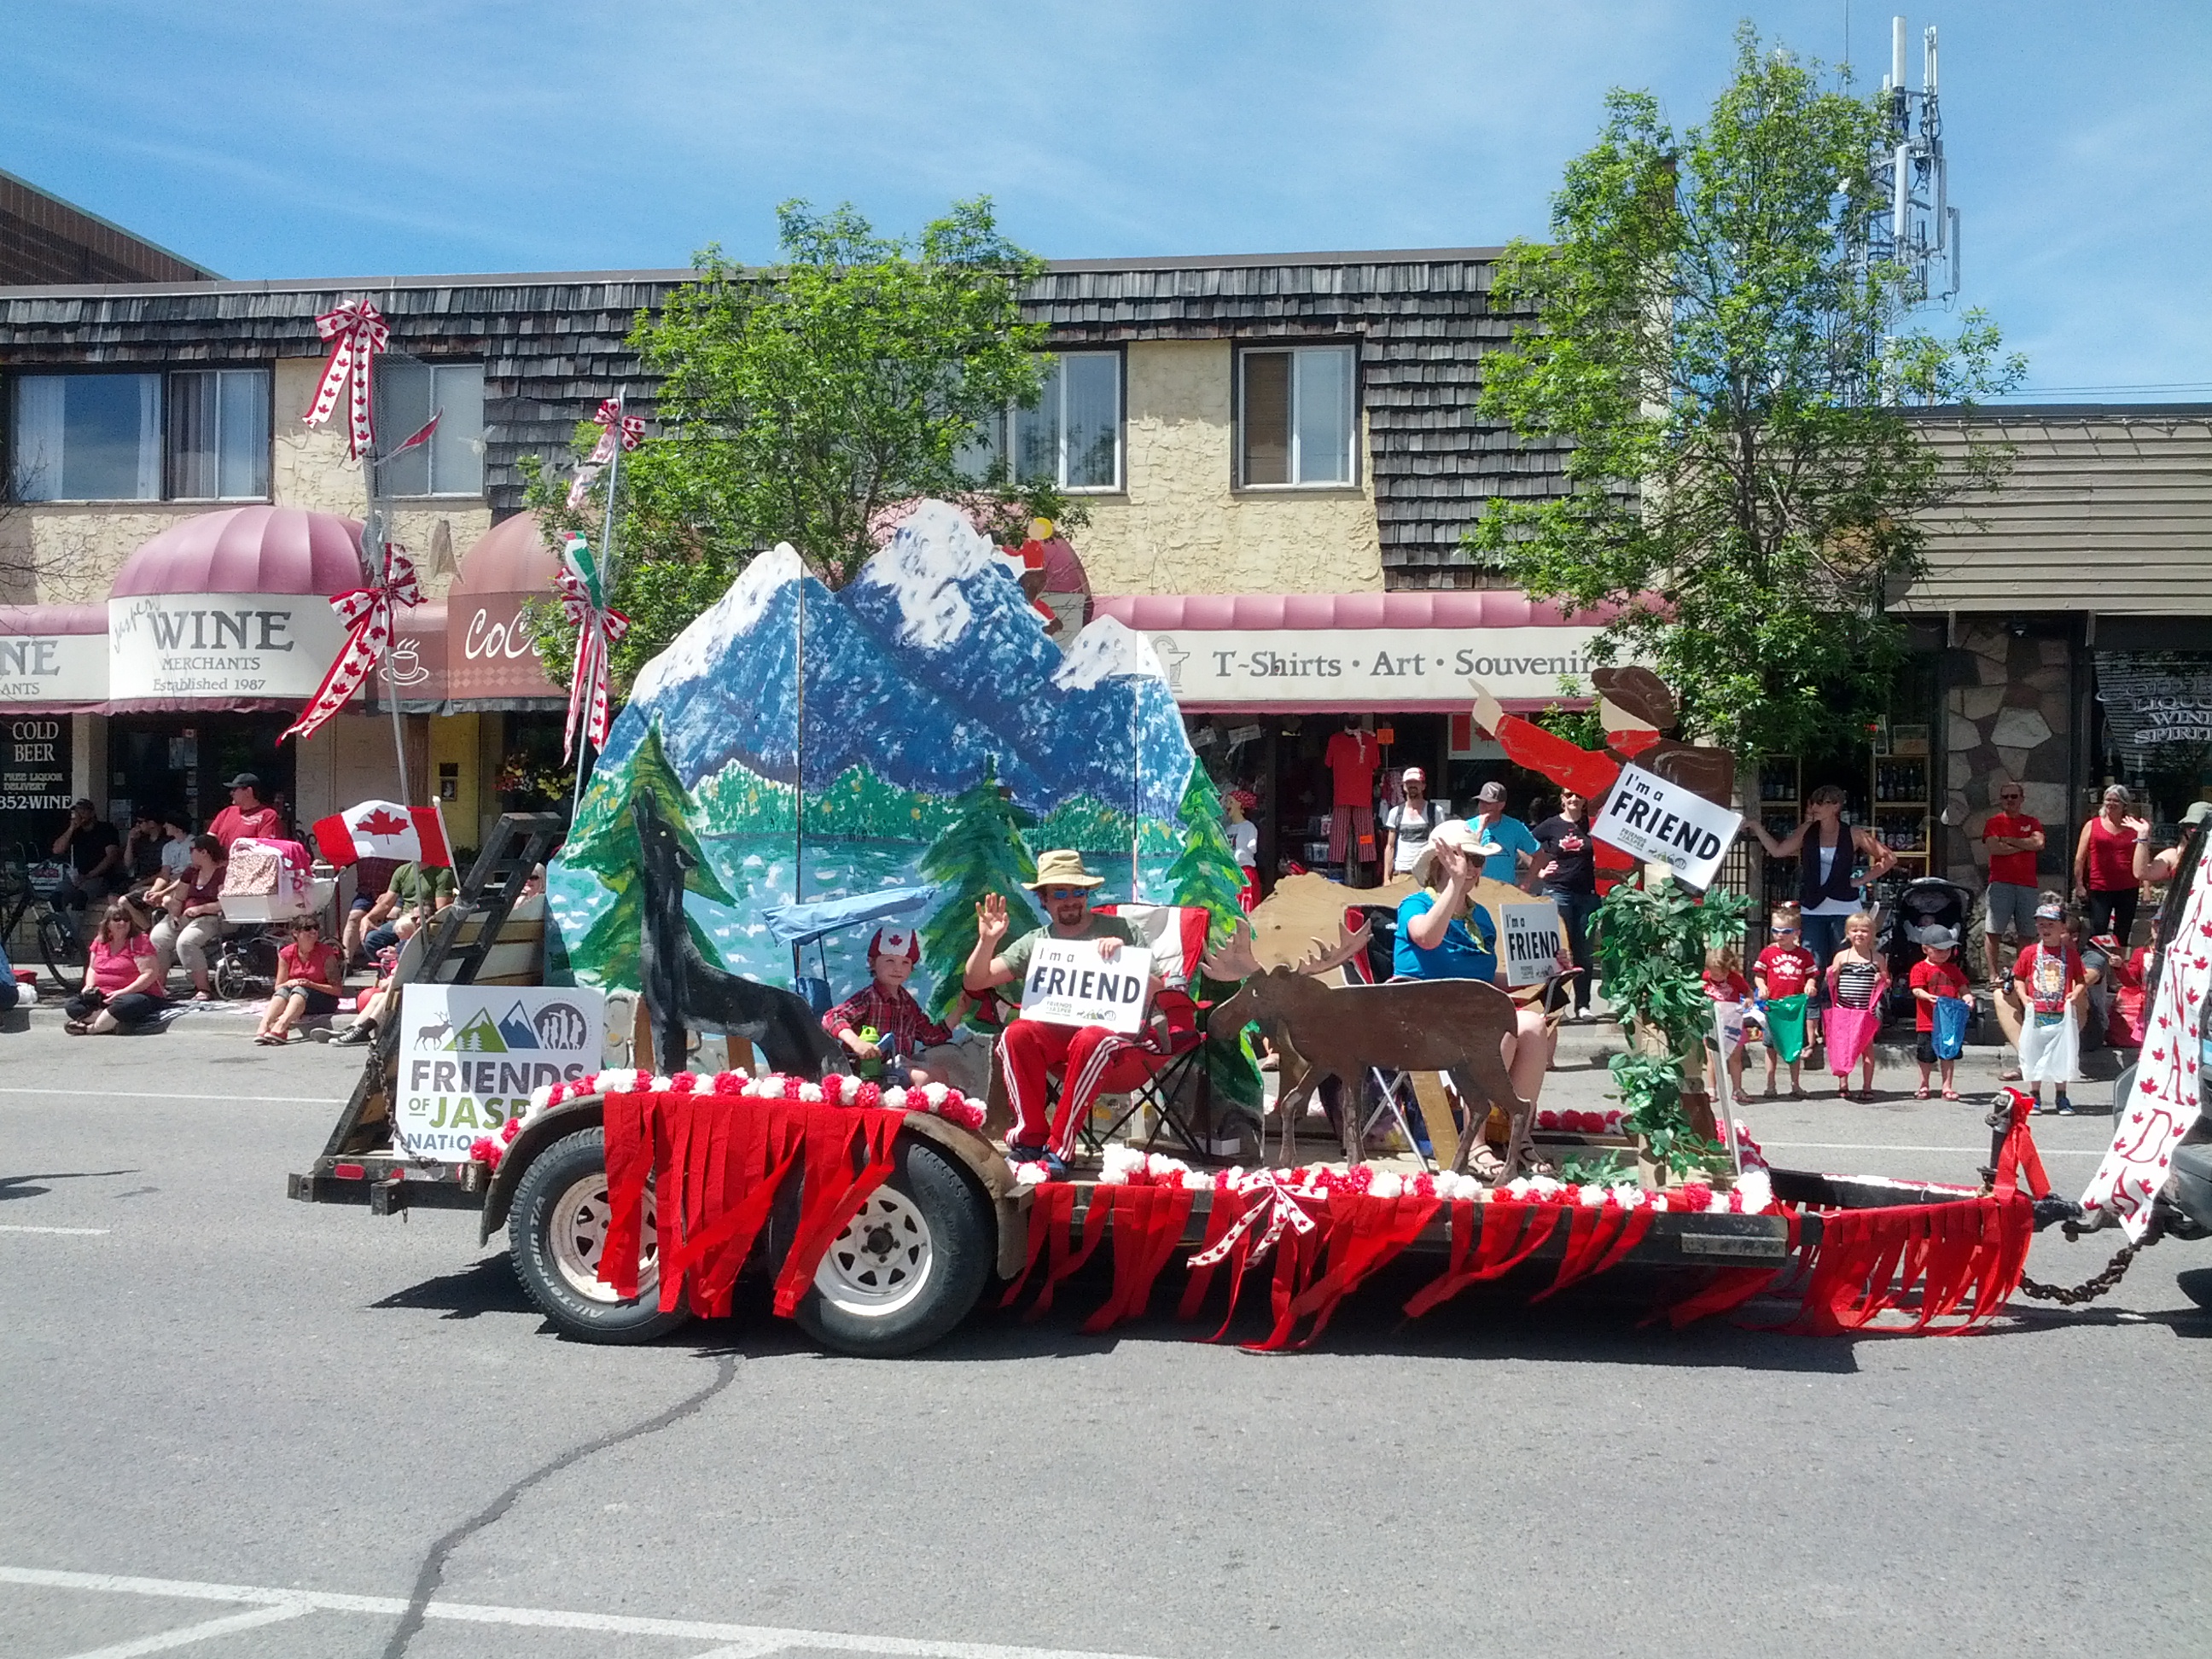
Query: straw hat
column 1062, row 867
column 1452, row 832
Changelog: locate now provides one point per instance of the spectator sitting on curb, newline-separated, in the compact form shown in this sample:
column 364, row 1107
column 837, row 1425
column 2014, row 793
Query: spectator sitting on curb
column 122, row 987
column 95, row 854
column 10, row 992
column 309, row 979
column 195, row 920
column 417, row 890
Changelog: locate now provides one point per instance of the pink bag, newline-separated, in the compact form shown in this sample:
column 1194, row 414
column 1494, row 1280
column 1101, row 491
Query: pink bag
column 1851, row 1032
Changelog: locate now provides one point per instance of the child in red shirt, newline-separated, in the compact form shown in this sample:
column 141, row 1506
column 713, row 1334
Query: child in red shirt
column 1783, row 969
column 1724, row 983
column 2051, row 982
column 886, row 1007
column 1936, row 975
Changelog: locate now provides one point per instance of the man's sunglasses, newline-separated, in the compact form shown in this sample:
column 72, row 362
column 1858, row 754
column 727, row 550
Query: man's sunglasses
column 1054, row 895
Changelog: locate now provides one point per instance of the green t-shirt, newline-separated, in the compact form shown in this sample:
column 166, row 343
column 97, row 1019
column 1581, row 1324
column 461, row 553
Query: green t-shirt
column 1017, row 955
column 416, row 885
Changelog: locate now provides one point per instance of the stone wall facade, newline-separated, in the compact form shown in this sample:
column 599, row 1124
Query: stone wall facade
column 2009, row 714
column 1180, row 525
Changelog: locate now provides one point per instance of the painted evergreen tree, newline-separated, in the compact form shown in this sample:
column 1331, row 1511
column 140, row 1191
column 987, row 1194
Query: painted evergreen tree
column 1206, row 875
column 609, row 949
column 982, row 852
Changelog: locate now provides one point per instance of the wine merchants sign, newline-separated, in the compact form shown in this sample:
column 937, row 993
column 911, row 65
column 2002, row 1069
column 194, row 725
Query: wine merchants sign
column 53, row 670
column 470, row 1054
column 220, row 648
column 1387, row 668
column 1662, row 823
column 1068, row 983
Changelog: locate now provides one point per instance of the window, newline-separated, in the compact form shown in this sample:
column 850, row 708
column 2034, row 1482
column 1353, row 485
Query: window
column 219, row 434
column 1073, row 435
column 87, row 438
column 407, row 395
column 1295, row 416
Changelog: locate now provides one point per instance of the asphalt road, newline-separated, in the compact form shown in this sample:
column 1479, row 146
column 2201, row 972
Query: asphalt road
column 238, row 1425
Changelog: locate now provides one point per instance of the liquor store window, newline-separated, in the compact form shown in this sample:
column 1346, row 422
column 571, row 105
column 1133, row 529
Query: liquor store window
column 450, row 461
column 1296, row 419
column 1072, row 436
column 193, row 435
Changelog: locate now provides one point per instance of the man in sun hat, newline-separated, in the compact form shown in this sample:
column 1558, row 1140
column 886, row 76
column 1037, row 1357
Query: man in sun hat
column 887, row 1008
column 1028, row 1048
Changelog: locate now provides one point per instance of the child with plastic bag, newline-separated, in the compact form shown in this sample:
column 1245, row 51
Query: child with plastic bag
column 1782, row 972
column 1939, row 1010
column 2050, row 987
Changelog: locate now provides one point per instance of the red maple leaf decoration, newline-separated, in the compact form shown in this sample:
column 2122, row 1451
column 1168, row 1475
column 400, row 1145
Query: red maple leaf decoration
column 381, row 823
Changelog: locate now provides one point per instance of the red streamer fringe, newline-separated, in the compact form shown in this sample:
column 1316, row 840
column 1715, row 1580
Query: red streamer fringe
column 716, row 1163
column 1868, row 1262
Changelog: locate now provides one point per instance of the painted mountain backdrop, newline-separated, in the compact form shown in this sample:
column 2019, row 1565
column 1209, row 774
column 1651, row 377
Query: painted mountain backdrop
column 915, row 728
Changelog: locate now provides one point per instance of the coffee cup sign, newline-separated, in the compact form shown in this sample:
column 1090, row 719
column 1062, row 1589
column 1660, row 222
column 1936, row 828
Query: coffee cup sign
column 1068, row 983
column 1530, row 935
column 1662, row 823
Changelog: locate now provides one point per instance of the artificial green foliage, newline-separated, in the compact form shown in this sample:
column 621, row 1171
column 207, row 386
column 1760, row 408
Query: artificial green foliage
column 1206, row 874
column 1651, row 945
column 856, row 804
column 608, row 847
column 799, row 401
column 983, row 851
column 1731, row 374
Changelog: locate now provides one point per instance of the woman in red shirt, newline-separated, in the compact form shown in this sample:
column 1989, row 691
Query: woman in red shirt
column 122, row 980
column 2104, row 868
column 309, row 979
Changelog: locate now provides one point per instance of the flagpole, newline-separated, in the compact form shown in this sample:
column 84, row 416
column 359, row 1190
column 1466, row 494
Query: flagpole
column 374, row 529
column 607, row 588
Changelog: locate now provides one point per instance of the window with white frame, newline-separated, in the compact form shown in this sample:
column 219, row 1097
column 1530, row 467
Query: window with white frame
column 1073, row 436
column 87, row 438
column 450, row 462
column 1295, row 421
column 219, row 434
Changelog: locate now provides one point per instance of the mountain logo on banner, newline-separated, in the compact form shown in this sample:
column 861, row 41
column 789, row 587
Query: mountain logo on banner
column 481, row 1035
column 517, row 1030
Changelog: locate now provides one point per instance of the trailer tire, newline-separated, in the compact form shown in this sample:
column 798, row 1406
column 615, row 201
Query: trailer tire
column 908, row 1266
column 553, row 1230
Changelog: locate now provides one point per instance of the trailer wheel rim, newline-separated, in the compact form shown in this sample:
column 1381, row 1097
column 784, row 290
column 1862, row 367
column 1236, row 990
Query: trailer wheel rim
column 883, row 1259
column 578, row 1233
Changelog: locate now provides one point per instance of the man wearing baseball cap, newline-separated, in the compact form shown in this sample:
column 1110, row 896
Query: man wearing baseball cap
column 1028, row 1048
column 885, row 1008
column 1514, row 848
column 247, row 817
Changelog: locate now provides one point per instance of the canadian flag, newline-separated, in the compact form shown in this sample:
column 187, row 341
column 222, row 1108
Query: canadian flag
column 384, row 830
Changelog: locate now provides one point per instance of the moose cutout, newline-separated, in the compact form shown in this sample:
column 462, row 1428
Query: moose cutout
column 1456, row 1026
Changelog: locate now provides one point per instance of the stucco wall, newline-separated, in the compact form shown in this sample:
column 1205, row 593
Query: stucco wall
column 1182, row 528
column 68, row 552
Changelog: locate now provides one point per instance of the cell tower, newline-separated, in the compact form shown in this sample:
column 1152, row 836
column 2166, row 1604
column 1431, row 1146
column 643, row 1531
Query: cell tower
column 1919, row 234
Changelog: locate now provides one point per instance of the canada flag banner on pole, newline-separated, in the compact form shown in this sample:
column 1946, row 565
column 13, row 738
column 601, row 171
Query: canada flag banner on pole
column 384, row 830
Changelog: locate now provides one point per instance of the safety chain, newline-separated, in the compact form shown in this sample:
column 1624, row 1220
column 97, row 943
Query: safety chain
column 2089, row 1289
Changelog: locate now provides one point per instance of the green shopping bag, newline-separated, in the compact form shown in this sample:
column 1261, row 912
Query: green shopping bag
column 1785, row 1026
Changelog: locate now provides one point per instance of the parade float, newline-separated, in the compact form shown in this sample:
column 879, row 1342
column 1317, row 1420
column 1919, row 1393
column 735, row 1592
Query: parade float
column 802, row 761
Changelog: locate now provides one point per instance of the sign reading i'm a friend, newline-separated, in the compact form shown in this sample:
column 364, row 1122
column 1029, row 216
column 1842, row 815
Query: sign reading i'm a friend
column 1068, row 983
column 1531, row 939
column 1662, row 823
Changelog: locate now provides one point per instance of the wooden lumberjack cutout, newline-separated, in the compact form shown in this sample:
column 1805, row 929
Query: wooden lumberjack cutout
column 1456, row 1026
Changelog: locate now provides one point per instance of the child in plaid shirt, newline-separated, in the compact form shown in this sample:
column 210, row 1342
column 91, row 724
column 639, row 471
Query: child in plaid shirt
column 885, row 1006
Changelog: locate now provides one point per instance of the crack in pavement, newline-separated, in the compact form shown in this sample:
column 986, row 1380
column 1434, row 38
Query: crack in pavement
column 433, row 1569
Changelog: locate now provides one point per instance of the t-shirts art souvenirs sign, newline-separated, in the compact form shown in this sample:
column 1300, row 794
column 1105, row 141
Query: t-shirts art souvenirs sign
column 469, row 1055
column 1386, row 668
column 1069, row 983
column 1662, row 823
column 1530, row 941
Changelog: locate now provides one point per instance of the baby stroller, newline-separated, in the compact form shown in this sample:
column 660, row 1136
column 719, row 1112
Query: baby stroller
column 266, row 885
column 1926, row 905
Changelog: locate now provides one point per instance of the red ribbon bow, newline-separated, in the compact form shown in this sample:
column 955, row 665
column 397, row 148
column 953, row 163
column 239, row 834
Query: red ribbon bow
column 597, row 630
column 615, row 426
column 369, row 614
column 357, row 332
column 1270, row 1193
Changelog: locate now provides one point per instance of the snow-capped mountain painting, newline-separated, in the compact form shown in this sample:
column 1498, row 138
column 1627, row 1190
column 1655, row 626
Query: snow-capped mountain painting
column 929, row 672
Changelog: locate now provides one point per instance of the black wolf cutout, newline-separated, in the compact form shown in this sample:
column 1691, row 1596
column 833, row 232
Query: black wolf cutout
column 682, row 988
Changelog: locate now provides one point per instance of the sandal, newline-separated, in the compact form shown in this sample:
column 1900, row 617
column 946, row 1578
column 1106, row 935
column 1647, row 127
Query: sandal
column 1950, row 1094
column 76, row 1028
column 269, row 1039
column 1865, row 1097
column 1921, row 1093
column 1797, row 1091
column 202, row 996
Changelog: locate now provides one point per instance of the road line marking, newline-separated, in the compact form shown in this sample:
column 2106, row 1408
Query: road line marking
column 756, row 1638
column 224, row 1100
column 72, row 1232
column 1971, row 1151
column 185, row 1635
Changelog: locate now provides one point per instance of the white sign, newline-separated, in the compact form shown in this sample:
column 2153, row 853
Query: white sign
column 1068, row 983
column 470, row 1054
column 1387, row 668
column 1531, row 941
column 45, row 670
column 220, row 647
column 1662, row 823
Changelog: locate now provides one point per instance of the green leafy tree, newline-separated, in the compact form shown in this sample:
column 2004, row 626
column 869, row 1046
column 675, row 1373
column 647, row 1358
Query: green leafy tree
column 981, row 852
column 606, row 843
column 797, row 402
column 1731, row 372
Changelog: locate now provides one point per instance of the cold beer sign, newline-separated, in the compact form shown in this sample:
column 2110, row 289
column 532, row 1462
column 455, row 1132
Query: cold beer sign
column 1069, row 984
column 1662, row 823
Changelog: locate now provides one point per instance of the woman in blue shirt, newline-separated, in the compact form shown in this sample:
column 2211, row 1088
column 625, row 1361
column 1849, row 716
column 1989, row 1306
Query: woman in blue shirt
column 1443, row 935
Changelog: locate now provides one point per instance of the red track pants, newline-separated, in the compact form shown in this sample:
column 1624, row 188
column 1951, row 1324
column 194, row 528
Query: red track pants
column 1028, row 1049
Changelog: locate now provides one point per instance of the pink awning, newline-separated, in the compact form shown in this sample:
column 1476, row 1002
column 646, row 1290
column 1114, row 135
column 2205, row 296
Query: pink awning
column 248, row 550
column 1476, row 607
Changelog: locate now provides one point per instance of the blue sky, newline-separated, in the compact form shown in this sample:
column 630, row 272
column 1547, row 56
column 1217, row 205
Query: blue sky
column 484, row 134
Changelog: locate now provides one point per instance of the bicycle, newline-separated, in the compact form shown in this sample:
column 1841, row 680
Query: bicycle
column 21, row 896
